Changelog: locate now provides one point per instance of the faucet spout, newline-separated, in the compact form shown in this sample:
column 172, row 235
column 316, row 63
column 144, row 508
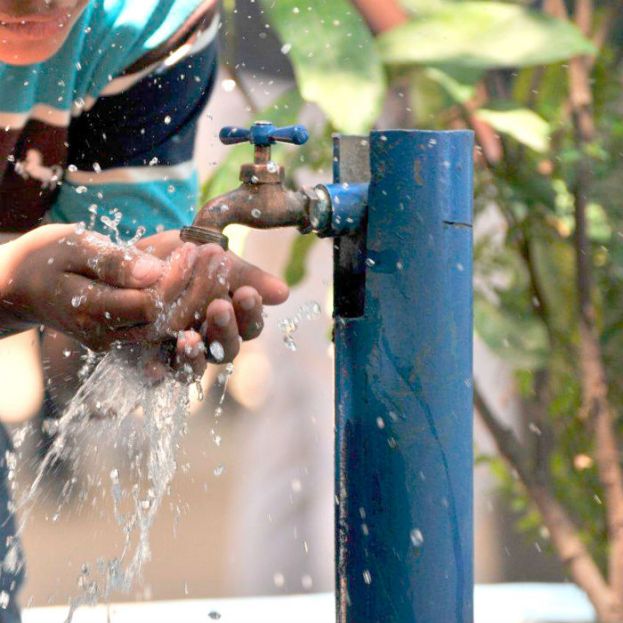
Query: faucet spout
column 262, row 201
column 263, row 206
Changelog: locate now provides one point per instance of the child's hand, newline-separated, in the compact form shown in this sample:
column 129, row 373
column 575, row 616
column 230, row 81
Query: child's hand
column 78, row 283
column 211, row 300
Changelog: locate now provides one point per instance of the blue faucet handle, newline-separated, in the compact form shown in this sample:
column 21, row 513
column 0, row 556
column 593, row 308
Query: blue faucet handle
column 293, row 134
column 231, row 135
column 264, row 134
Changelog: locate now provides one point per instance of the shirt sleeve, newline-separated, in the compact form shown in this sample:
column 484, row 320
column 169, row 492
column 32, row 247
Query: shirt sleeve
column 130, row 158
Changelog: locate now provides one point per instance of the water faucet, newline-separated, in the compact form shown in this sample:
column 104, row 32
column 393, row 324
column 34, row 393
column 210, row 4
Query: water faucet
column 261, row 201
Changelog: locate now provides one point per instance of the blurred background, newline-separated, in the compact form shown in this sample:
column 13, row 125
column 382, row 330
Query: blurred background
column 251, row 507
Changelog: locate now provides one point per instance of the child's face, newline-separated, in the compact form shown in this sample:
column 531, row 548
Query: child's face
column 31, row 31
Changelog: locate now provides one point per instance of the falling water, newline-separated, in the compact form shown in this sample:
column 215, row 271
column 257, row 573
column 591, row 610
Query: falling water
column 119, row 386
column 289, row 326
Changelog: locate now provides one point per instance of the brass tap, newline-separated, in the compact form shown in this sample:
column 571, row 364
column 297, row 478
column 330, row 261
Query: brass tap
column 261, row 201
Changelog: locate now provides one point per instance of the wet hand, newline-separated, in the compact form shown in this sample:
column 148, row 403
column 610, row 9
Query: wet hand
column 79, row 283
column 211, row 300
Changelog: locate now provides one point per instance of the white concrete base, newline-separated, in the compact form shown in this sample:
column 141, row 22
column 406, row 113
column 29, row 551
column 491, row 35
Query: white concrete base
column 494, row 603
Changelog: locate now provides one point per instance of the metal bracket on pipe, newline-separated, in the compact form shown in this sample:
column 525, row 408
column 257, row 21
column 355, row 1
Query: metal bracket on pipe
column 339, row 210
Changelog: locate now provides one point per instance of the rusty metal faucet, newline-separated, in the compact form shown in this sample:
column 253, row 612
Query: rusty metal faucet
column 261, row 201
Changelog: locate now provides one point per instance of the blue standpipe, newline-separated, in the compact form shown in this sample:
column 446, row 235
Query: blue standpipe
column 403, row 337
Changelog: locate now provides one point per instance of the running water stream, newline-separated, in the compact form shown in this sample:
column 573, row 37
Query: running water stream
column 119, row 387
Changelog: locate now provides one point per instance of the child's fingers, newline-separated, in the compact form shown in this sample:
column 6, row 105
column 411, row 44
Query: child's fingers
column 161, row 245
column 177, row 274
column 272, row 289
column 220, row 332
column 208, row 281
column 93, row 255
column 248, row 308
column 100, row 303
column 191, row 358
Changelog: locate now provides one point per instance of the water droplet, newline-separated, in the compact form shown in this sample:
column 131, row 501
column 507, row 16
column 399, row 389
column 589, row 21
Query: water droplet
column 217, row 351
column 370, row 262
column 5, row 598
column 218, row 470
column 285, row 48
column 80, row 190
column 153, row 162
column 367, row 577
column 417, row 538
column 290, row 343
column 66, row 353
column 75, row 301
column 228, row 85
column 256, row 213
column 167, row 119
column 272, row 167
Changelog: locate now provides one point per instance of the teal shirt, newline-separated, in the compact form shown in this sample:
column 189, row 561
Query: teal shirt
column 104, row 131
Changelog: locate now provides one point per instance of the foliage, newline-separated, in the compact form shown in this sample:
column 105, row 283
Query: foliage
column 502, row 69
column 334, row 56
column 481, row 35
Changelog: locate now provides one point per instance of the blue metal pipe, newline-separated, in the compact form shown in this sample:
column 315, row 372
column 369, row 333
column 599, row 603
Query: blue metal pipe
column 404, row 389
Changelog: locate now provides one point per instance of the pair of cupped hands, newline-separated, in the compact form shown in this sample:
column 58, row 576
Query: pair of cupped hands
column 199, row 298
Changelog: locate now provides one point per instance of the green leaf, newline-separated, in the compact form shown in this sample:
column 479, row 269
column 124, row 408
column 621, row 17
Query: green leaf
column 335, row 59
column 459, row 84
column 284, row 111
column 517, row 338
column 524, row 125
column 296, row 267
column 483, row 35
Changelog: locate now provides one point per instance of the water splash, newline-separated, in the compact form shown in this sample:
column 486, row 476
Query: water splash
column 119, row 386
column 112, row 226
column 222, row 381
column 289, row 326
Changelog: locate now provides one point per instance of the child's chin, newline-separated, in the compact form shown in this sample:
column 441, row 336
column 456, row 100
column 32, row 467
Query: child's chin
column 28, row 53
